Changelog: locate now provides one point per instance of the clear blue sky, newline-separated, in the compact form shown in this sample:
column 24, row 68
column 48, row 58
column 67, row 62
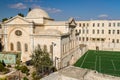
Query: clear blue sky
column 63, row 9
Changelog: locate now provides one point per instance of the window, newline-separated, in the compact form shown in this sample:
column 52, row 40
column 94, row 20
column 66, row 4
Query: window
column 114, row 24
column 93, row 39
column 79, row 38
column 93, row 24
column 11, row 47
column 86, row 38
column 80, row 25
column 118, row 24
column 63, row 48
column 0, row 26
column 113, row 41
column 117, row 40
column 113, row 31
column 83, row 31
column 18, row 32
column 33, row 29
column 102, row 31
column 93, row 31
column 102, row 24
column 18, row 46
column 98, row 39
column 87, row 31
column 118, row 32
column 76, row 30
column 98, row 24
column 102, row 39
column 109, row 32
column 80, row 31
column 97, row 31
column 87, row 24
column 109, row 24
column 83, row 39
column 26, row 47
column 83, row 24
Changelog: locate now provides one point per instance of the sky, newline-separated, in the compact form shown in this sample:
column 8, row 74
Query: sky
column 64, row 9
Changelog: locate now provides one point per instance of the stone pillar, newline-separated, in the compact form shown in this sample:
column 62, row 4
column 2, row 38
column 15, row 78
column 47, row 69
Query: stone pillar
column 31, row 38
column 5, row 38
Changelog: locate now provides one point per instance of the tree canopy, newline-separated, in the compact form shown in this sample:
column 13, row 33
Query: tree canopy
column 4, row 19
column 20, row 14
column 29, row 9
column 41, row 60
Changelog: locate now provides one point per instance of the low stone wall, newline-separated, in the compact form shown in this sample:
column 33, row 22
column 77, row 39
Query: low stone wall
column 93, row 75
column 76, row 73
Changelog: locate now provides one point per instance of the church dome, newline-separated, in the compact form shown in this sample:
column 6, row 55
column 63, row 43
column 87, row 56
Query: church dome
column 37, row 13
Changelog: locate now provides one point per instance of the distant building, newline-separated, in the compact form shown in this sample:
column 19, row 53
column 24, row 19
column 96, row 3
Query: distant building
column 23, row 34
column 99, row 34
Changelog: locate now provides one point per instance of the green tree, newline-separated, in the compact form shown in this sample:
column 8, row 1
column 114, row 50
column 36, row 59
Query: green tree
column 29, row 9
column 41, row 60
column 20, row 14
column 4, row 19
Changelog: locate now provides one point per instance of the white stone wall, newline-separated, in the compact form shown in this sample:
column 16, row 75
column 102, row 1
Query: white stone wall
column 64, row 29
column 48, row 41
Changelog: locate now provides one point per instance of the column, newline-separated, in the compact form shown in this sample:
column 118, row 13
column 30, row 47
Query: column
column 5, row 38
column 31, row 38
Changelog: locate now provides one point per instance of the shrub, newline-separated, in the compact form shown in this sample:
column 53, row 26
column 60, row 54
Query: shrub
column 3, row 78
column 34, row 75
column 6, row 70
column 25, row 78
column 18, row 62
column 27, row 74
column 1, row 67
column 17, row 67
column 3, row 63
column 8, row 65
column 24, row 69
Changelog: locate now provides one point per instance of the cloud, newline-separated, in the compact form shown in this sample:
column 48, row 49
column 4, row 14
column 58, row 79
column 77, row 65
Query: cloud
column 35, row 6
column 32, row 0
column 103, row 16
column 49, row 10
column 18, row 6
column 53, row 10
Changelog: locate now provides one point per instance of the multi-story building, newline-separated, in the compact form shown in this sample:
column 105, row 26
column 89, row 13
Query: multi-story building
column 99, row 34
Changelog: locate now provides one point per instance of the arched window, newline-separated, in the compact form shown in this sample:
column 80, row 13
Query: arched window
column 26, row 47
column 11, row 46
column 18, row 46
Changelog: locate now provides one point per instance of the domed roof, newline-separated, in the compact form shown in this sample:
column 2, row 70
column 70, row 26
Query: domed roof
column 37, row 13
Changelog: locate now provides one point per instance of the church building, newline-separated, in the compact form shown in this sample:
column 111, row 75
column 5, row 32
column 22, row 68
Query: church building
column 24, row 34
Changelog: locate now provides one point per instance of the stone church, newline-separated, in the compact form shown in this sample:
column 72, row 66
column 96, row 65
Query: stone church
column 23, row 34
